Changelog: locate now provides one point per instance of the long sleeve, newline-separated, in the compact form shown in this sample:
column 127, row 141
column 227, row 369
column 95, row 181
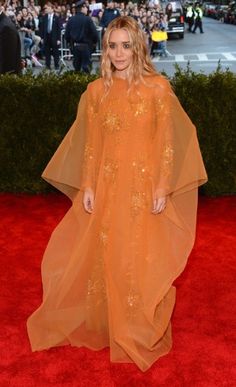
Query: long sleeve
column 178, row 165
column 92, row 151
column 76, row 161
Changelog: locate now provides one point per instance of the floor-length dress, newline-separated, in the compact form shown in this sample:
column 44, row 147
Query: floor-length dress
column 107, row 276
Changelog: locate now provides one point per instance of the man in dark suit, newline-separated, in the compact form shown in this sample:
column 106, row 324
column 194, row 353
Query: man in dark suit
column 82, row 35
column 10, row 60
column 50, row 33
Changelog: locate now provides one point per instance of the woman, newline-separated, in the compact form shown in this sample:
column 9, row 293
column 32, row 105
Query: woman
column 26, row 25
column 131, row 165
column 169, row 11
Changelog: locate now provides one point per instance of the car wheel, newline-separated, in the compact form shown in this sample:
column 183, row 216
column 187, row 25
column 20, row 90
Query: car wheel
column 181, row 36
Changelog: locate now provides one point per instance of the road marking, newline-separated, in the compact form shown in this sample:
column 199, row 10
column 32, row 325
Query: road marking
column 179, row 58
column 201, row 57
column 229, row 56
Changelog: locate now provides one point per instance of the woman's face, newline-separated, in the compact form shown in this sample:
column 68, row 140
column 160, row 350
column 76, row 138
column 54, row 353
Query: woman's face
column 120, row 51
column 24, row 12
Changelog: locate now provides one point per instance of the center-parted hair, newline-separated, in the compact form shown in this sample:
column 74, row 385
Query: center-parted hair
column 141, row 63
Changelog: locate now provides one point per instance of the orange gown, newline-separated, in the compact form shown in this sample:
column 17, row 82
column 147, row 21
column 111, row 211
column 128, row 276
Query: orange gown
column 107, row 276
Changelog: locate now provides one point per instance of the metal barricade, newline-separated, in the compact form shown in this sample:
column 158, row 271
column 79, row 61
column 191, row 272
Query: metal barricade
column 99, row 43
column 98, row 51
column 65, row 53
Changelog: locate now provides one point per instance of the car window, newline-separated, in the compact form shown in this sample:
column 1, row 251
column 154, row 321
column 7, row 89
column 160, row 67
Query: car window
column 176, row 6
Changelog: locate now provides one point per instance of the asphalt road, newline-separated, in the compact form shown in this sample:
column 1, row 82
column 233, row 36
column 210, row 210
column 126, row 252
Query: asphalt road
column 202, row 50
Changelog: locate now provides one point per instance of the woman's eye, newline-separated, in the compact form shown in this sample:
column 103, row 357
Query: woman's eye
column 126, row 45
column 111, row 45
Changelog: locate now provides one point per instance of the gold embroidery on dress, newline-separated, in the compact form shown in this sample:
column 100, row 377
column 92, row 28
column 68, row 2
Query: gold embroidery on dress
column 88, row 161
column 96, row 291
column 103, row 236
column 167, row 155
column 138, row 202
column 92, row 110
column 110, row 170
column 88, row 152
column 140, row 107
column 139, row 183
column 132, row 298
column 160, row 108
column 141, row 171
column 112, row 122
column 167, row 160
column 95, row 286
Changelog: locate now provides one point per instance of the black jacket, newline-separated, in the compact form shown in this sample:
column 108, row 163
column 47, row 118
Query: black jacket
column 81, row 29
column 56, row 29
column 28, row 23
column 108, row 15
column 10, row 60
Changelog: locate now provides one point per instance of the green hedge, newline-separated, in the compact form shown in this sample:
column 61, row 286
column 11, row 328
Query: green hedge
column 210, row 101
column 36, row 112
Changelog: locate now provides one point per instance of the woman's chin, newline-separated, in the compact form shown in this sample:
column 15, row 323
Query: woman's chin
column 120, row 67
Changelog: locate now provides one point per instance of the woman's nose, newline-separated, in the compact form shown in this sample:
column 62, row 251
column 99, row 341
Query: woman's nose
column 119, row 51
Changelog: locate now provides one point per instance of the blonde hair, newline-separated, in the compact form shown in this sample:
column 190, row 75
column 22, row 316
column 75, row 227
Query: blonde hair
column 141, row 64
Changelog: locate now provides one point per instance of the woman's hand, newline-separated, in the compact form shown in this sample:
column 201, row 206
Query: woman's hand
column 159, row 205
column 88, row 200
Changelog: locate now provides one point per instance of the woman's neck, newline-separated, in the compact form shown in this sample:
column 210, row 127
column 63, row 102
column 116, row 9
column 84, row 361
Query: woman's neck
column 120, row 74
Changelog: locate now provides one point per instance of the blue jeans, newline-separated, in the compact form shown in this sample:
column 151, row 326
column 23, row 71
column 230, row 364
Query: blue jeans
column 27, row 44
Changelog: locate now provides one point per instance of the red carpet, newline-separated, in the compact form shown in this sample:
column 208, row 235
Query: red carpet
column 202, row 353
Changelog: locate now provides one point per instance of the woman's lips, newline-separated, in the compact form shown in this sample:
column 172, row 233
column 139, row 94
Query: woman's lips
column 120, row 61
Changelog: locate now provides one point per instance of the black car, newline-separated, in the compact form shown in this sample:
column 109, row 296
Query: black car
column 175, row 17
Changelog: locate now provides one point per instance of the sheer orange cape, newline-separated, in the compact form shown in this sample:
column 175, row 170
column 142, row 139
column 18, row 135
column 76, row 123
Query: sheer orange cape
column 107, row 276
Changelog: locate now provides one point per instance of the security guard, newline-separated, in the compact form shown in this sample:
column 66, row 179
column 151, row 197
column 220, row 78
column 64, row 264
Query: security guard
column 198, row 14
column 109, row 14
column 82, row 35
column 190, row 16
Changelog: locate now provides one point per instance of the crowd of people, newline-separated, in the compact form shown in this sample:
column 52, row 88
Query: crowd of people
column 39, row 39
column 28, row 19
